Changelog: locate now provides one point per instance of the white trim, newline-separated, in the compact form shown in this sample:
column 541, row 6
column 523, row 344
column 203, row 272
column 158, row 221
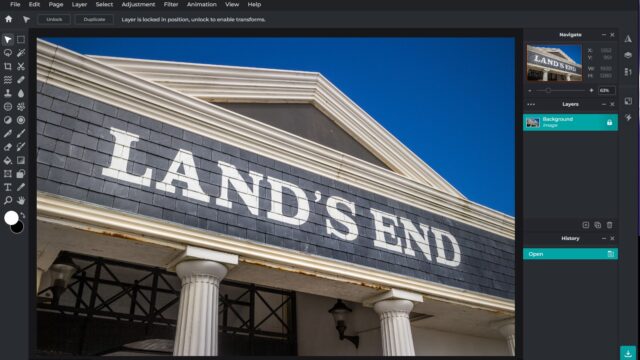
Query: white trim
column 393, row 294
column 198, row 253
column 60, row 210
column 242, row 84
column 78, row 73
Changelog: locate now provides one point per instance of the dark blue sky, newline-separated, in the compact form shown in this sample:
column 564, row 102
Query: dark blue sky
column 450, row 100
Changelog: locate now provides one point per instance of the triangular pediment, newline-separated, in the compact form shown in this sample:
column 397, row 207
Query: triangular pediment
column 262, row 94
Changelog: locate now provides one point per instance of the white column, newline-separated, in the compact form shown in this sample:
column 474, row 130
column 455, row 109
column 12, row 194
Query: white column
column 197, row 326
column 395, row 327
column 507, row 328
column 200, row 271
column 545, row 75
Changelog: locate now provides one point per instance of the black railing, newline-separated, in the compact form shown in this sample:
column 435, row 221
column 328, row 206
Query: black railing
column 111, row 290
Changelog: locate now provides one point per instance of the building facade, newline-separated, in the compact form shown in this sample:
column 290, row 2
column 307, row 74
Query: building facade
column 551, row 64
column 196, row 209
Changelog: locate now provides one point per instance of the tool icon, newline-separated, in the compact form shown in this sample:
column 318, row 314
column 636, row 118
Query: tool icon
column 20, row 133
column 21, row 200
column 8, row 133
column 7, row 40
column 21, row 186
column 8, row 200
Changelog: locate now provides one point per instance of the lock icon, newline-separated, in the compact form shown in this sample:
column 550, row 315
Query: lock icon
column 609, row 122
column 20, row 174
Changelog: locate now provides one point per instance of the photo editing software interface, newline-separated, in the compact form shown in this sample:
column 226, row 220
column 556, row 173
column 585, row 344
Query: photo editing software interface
column 320, row 178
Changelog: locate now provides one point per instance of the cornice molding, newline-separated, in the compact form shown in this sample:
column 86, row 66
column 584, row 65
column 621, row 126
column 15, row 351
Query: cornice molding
column 74, row 72
column 241, row 84
column 81, row 215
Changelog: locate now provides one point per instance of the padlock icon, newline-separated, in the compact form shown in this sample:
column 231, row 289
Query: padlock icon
column 609, row 122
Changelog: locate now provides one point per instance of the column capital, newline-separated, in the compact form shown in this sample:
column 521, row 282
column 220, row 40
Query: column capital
column 506, row 327
column 197, row 253
column 393, row 306
column 393, row 294
column 201, row 271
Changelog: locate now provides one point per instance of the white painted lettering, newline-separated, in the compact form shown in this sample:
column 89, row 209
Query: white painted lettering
column 120, row 158
column 442, row 259
column 382, row 229
column 231, row 176
column 342, row 218
column 184, row 158
column 422, row 241
column 276, row 212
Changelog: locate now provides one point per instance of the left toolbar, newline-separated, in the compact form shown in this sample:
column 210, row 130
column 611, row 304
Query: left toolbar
column 14, row 127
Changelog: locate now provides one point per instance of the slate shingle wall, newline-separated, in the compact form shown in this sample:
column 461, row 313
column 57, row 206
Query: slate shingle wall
column 74, row 144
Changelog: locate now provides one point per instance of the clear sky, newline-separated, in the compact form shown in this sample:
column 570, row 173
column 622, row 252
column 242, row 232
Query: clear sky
column 450, row 100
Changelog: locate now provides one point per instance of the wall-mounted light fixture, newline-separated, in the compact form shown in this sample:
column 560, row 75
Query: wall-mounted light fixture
column 61, row 272
column 340, row 312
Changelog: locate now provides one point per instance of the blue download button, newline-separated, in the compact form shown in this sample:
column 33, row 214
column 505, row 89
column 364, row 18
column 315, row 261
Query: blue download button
column 628, row 353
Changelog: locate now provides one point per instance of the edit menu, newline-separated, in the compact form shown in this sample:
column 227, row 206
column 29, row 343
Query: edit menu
column 579, row 193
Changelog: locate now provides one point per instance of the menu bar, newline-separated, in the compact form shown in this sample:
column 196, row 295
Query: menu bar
column 343, row 5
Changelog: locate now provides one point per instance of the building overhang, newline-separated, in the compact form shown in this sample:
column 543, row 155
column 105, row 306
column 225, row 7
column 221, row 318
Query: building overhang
column 146, row 231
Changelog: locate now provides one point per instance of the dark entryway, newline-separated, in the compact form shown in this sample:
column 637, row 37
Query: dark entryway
column 112, row 307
